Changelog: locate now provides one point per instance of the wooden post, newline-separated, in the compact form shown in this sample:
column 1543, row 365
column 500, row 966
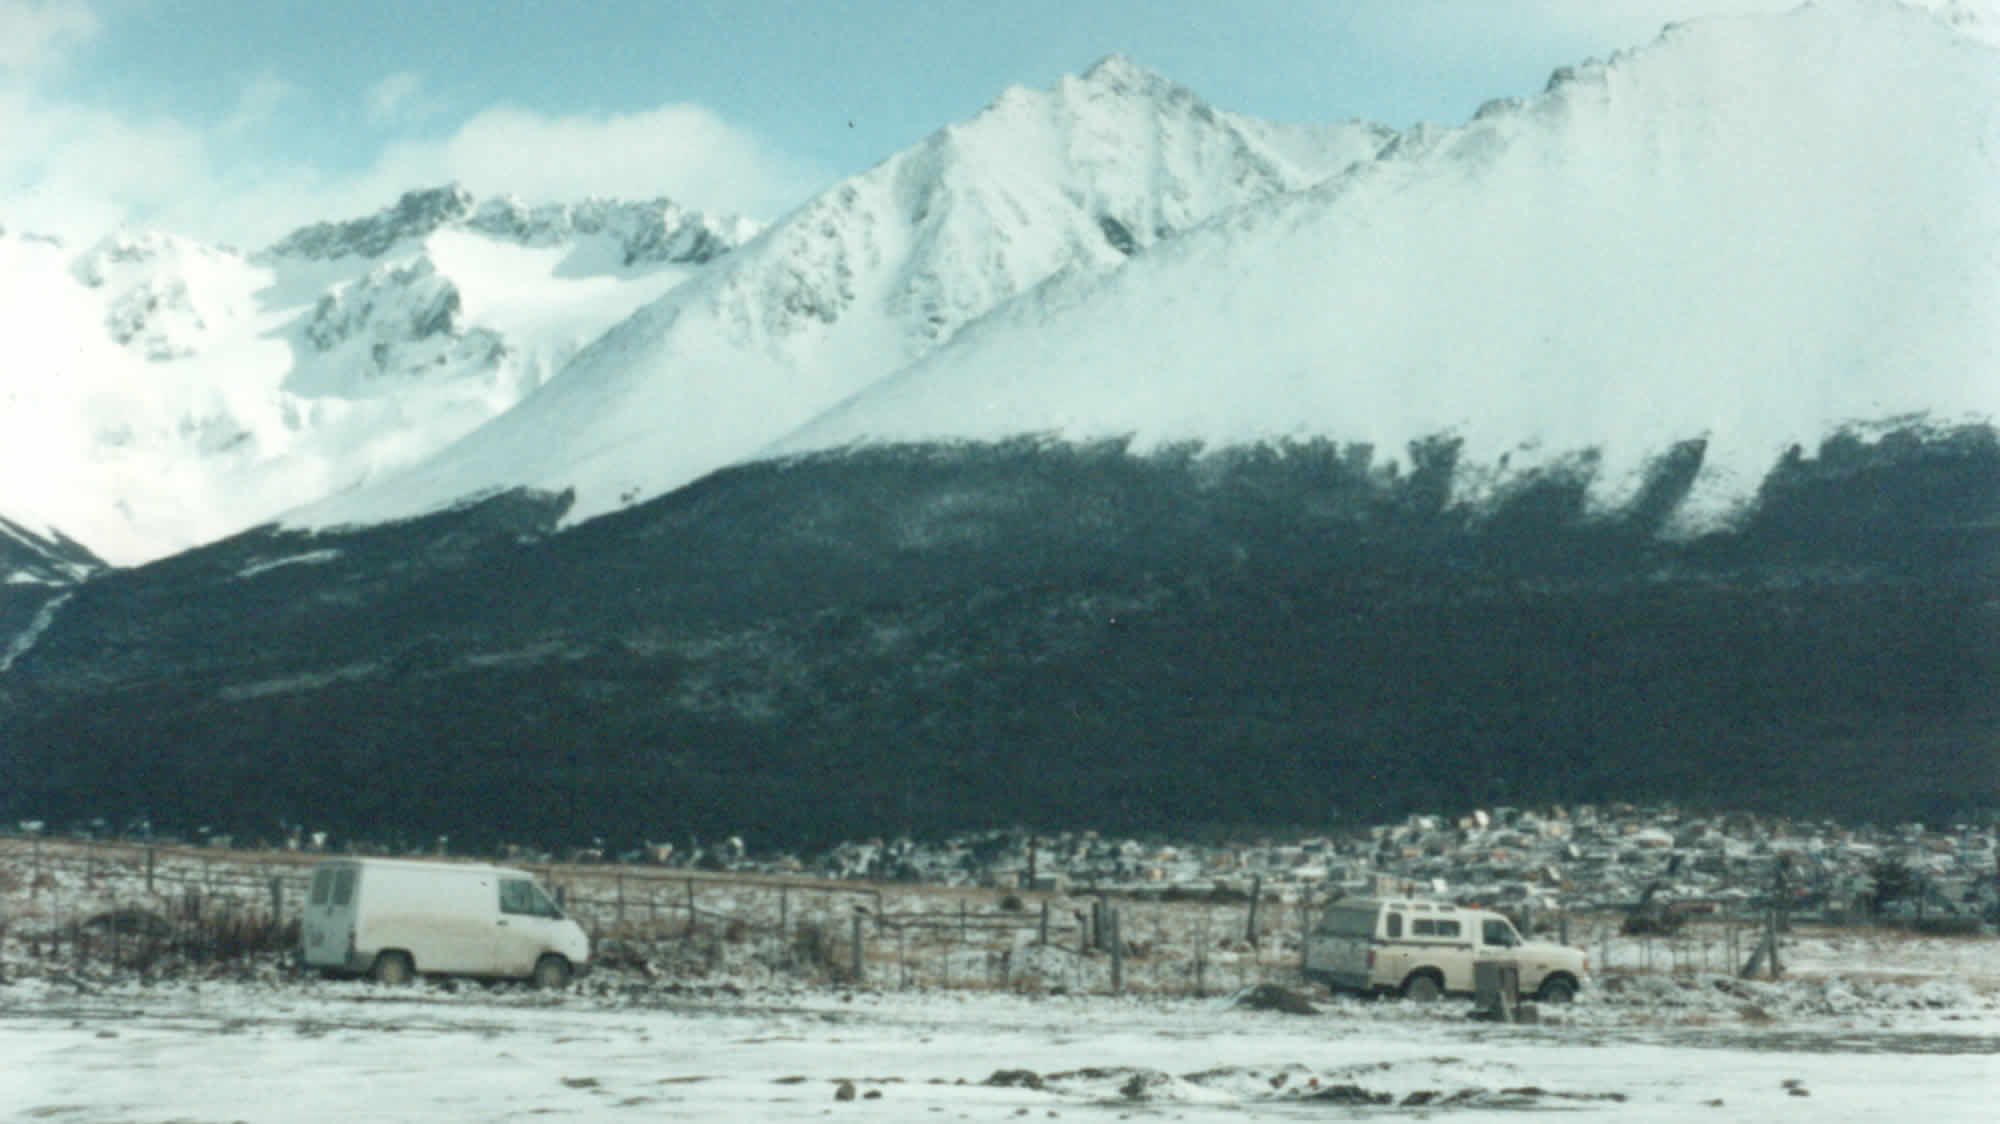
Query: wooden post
column 1256, row 895
column 854, row 953
column 1117, row 953
column 1201, row 958
column 149, row 868
column 621, row 900
column 784, row 909
column 1777, row 968
column 1042, row 935
column 277, row 901
column 962, row 938
column 691, row 913
column 1305, row 925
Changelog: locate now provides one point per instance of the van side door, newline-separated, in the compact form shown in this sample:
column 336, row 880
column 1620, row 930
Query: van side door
column 525, row 927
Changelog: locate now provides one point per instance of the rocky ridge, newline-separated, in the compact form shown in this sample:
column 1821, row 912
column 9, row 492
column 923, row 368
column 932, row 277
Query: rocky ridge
column 651, row 231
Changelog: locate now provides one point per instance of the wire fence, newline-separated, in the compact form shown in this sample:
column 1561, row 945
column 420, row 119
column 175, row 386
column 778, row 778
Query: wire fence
column 154, row 907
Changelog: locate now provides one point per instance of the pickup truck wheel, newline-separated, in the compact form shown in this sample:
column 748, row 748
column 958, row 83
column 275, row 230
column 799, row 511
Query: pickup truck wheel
column 551, row 973
column 393, row 968
column 1557, row 989
column 1422, row 988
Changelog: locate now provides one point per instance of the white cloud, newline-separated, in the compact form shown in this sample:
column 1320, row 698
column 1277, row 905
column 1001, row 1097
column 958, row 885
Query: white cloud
column 257, row 102
column 80, row 172
column 683, row 151
column 398, row 97
column 35, row 34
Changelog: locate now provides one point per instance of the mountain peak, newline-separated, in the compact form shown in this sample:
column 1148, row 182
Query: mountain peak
column 1121, row 74
column 414, row 215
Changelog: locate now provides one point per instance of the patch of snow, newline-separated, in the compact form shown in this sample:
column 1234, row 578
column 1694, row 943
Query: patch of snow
column 1756, row 232
column 872, row 274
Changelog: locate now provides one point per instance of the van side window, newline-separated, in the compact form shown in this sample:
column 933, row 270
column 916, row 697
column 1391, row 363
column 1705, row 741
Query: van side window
column 343, row 886
column 1395, row 925
column 518, row 895
column 322, row 886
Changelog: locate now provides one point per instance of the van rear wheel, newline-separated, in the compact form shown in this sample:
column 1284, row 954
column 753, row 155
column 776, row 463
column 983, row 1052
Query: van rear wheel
column 393, row 968
column 551, row 973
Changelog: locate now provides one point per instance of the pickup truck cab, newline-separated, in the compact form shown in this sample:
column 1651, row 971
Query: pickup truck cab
column 391, row 919
column 1425, row 949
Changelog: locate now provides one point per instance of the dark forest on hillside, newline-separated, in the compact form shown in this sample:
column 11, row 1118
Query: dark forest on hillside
column 937, row 639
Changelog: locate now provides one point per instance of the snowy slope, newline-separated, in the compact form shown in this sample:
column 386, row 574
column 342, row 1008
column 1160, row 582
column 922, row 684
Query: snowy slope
column 871, row 275
column 161, row 393
column 1755, row 231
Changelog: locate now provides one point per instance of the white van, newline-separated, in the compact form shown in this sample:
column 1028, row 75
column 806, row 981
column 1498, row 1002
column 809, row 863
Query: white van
column 392, row 919
column 1424, row 949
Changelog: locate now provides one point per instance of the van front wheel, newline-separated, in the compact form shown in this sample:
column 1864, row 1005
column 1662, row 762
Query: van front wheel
column 551, row 973
column 393, row 968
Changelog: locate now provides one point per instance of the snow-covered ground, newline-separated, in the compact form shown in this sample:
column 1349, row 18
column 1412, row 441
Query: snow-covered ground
column 314, row 1050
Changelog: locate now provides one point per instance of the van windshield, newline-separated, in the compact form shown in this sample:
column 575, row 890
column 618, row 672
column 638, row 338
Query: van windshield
column 1348, row 922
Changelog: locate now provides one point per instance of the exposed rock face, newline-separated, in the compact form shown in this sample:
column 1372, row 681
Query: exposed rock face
column 657, row 230
column 412, row 301
column 416, row 214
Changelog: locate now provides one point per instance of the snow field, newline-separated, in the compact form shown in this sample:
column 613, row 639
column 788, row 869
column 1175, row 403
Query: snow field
column 342, row 1051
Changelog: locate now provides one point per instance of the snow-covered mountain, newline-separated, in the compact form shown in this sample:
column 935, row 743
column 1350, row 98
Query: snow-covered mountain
column 869, row 276
column 161, row 393
column 1754, row 233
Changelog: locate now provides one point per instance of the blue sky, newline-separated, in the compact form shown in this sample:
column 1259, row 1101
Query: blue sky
column 234, row 120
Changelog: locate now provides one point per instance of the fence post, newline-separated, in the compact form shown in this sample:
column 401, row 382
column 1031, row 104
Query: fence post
column 1201, row 957
column 1042, row 935
column 1256, row 895
column 691, row 913
column 1305, row 926
column 277, row 902
column 149, row 868
column 854, row 953
column 1117, row 953
column 621, row 901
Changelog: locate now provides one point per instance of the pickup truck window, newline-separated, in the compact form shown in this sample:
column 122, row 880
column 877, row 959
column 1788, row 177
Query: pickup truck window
column 1340, row 922
column 1499, row 934
column 1427, row 927
column 1395, row 925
